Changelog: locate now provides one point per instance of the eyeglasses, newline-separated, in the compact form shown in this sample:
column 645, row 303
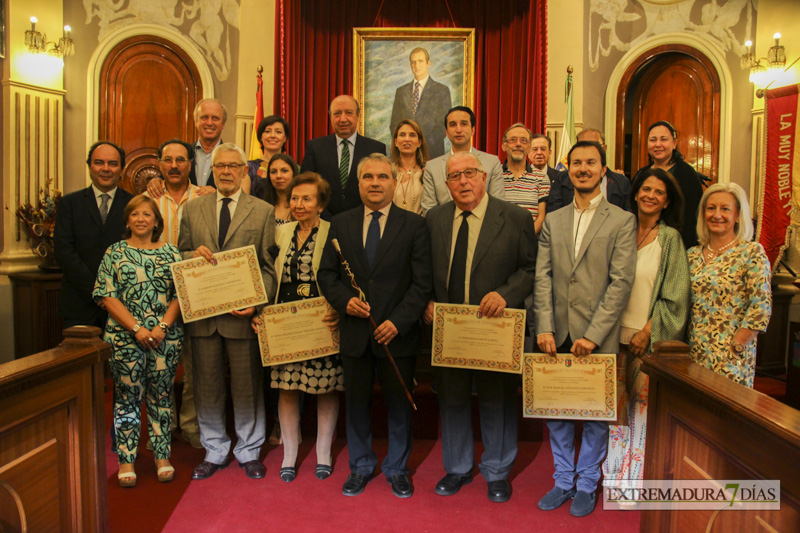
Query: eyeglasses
column 230, row 166
column 515, row 140
column 180, row 161
column 469, row 173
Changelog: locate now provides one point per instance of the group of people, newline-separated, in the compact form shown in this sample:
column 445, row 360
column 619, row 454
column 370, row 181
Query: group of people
column 599, row 260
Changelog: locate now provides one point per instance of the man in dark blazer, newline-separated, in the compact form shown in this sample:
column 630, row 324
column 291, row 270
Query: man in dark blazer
column 498, row 273
column 226, row 220
column 614, row 187
column 539, row 155
column 389, row 254
column 324, row 154
column 87, row 222
column 423, row 100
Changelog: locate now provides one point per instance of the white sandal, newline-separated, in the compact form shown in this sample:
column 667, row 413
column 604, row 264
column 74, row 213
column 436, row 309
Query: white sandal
column 127, row 480
column 165, row 473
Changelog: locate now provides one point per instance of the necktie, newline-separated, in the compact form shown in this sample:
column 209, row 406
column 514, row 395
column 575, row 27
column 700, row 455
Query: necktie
column 104, row 198
column 458, row 268
column 344, row 165
column 224, row 221
column 373, row 238
column 415, row 100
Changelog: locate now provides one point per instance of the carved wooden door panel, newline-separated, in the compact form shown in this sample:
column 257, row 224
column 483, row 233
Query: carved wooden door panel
column 678, row 84
column 148, row 90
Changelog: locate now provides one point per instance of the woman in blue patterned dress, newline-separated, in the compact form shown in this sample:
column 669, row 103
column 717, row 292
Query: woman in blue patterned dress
column 731, row 292
column 134, row 283
column 301, row 244
column 657, row 310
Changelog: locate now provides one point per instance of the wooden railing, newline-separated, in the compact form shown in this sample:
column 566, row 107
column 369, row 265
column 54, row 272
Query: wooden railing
column 702, row 425
column 52, row 468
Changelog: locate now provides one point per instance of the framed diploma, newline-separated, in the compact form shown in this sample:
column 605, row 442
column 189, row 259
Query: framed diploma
column 294, row 331
column 569, row 387
column 464, row 338
column 206, row 289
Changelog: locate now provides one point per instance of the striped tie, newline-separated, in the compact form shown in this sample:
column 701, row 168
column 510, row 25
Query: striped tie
column 104, row 198
column 344, row 165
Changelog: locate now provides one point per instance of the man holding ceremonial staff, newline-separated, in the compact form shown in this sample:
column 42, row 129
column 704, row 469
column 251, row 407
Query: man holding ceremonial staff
column 215, row 223
column 484, row 253
column 388, row 252
column 584, row 272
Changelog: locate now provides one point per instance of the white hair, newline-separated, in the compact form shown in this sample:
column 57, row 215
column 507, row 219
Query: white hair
column 743, row 227
column 229, row 147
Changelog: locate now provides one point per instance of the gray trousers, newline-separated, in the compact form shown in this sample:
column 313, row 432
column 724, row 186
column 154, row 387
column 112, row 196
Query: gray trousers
column 247, row 393
column 497, row 400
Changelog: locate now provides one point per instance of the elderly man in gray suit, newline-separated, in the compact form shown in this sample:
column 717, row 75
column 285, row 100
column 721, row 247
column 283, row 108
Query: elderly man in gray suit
column 459, row 123
column 484, row 253
column 213, row 223
column 584, row 272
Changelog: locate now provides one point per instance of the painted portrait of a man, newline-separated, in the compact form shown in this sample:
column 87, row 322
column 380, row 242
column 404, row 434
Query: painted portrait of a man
column 423, row 100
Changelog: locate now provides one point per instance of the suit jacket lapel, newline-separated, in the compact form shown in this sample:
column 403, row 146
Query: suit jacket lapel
column 356, row 236
column 239, row 216
column 597, row 220
column 91, row 206
column 394, row 224
column 492, row 224
column 445, row 243
column 567, row 230
column 209, row 210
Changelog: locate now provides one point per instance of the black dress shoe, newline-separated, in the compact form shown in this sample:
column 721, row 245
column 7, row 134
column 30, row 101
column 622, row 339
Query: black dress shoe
column 355, row 484
column 205, row 469
column 499, row 491
column 401, row 486
column 452, row 483
column 323, row 471
column 254, row 469
column 288, row 473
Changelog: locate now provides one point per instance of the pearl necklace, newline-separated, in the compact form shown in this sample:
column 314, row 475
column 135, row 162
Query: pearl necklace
column 713, row 254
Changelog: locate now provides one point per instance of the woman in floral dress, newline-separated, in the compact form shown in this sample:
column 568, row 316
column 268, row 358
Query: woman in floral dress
column 731, row 292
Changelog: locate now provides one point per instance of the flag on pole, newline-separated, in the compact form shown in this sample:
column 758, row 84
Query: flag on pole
column 568, row 133
column 258, row 116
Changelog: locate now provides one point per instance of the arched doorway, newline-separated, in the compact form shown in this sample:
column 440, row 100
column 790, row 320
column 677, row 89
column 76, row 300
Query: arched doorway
column 677, row 83
column 148, row 88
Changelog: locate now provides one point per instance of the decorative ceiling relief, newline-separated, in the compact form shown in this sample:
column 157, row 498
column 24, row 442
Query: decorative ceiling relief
column 206, row 22
column 625, row 23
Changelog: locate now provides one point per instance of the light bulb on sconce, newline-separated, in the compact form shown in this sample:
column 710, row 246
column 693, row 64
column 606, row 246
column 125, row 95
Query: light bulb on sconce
column 36, row 42
column 763, row 71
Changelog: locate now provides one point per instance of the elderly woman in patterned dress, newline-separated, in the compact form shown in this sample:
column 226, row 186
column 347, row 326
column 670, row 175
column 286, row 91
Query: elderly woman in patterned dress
column 657, row 310
column 731, row 293
column 134, row 283
column 301, row 244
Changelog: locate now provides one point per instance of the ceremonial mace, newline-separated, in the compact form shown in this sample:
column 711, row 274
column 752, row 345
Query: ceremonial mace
column 363, row 298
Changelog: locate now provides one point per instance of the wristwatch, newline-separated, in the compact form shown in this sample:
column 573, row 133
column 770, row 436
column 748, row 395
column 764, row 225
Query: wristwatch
column 738, row 348
column 164, row 326
column 136, row 328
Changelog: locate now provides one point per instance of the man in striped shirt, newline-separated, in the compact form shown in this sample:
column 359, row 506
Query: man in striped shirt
column 525, row 186
column 175, row 159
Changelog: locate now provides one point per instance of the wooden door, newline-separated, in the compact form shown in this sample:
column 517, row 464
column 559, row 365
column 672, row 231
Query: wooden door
column 678, row 84
column 148, row 90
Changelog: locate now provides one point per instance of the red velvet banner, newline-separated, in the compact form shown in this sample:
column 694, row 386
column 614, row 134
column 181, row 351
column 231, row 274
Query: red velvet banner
column 314, row 58
column 782, row 162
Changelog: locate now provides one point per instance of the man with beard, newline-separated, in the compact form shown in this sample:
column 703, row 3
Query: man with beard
column 524, row 186
column 584, row 272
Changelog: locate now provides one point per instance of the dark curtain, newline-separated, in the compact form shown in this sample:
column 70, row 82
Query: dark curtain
column 314, row 58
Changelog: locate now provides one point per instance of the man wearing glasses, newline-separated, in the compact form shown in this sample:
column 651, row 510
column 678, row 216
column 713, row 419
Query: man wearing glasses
column 483, row 253
column 524, row 186
column 214, row 223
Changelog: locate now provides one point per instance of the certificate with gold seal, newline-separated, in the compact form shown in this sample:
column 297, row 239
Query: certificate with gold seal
column 464, row 338
column 206, row 289
column 294, row 331
column 569, row 387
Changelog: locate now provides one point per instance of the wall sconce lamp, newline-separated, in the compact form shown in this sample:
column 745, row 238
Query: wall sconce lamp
column 761, row 72
column 37, row 43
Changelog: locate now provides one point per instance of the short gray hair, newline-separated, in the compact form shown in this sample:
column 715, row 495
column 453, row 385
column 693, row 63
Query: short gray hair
column 229, row 147
column 517, row 125
column 591, row 130
column 376, row 157
column 462, row 155
column 743, row 227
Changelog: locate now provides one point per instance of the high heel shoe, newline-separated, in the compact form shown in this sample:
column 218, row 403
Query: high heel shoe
column 288, row 473
column 127, row 480
column 323, row 471
column 165, row 473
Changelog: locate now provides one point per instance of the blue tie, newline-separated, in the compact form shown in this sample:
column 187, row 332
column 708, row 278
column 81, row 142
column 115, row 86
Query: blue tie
column 373, row 238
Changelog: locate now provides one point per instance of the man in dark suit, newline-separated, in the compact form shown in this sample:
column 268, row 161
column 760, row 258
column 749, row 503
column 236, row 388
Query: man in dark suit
column 539, row 155
column 88, row 222
column 213, row 223
column 484, row 253
column 327, row 156
column 424, row 101
column 614, row 187
column 389, row 254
